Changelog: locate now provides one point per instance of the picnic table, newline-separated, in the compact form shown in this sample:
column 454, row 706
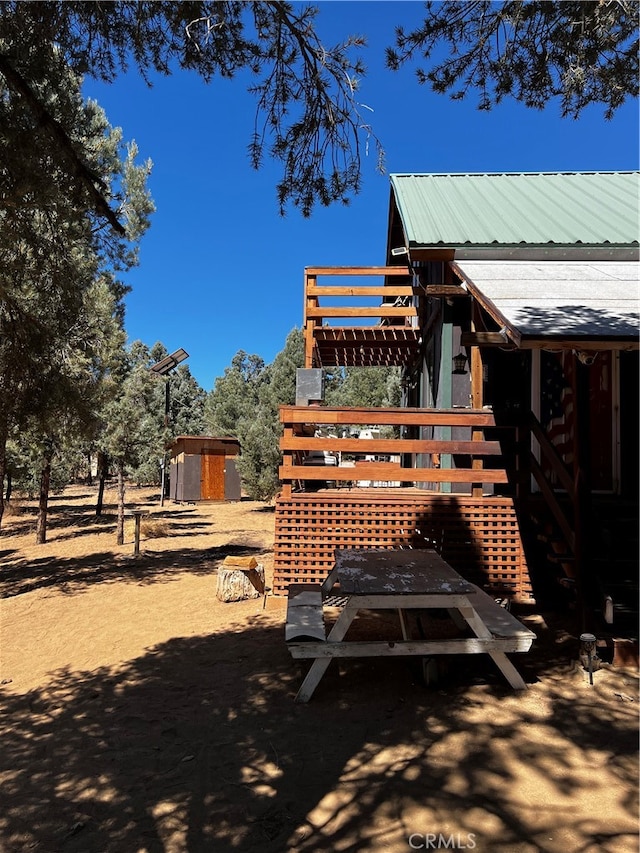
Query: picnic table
column 401, row 580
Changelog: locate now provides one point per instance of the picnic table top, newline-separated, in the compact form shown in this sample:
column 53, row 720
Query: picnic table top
column 397, row 572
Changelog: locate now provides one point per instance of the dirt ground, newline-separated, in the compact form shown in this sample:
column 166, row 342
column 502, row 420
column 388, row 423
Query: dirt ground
column 143, row 715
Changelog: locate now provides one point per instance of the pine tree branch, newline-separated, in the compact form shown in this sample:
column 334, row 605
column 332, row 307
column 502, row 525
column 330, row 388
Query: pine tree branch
column 90, row 180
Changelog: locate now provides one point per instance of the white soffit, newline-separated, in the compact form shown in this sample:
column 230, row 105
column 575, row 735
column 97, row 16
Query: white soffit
column 560, row 298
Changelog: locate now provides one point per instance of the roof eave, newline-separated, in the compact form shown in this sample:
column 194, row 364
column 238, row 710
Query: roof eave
column 525, row 252
column 590, row 343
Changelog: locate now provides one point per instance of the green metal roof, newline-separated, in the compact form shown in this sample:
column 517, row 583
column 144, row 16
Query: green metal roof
column 560, row 209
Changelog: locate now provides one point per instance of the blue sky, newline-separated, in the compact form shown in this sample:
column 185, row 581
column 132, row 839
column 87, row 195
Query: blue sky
column 221, row 271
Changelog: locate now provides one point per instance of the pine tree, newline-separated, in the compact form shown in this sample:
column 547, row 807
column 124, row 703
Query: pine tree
column 234, row 397
column 187, row 401
column 580, row 52
column 133, row 434
column 307, row 113
column 366, row 386
column 260, row 436
column 59, row 258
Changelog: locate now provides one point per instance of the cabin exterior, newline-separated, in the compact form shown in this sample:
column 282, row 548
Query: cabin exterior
column 510, row 304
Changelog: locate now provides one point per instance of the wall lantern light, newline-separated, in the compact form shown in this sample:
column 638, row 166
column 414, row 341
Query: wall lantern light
column 408, row 383
column 459, row 362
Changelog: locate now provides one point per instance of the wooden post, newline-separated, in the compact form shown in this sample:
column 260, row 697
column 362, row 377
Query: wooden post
column 445, row 380
column 582, row 491
column 308, row 322
column 163, row 465
column 287, row 460
column 477, row 395
column 523, row 458
column 136, row 545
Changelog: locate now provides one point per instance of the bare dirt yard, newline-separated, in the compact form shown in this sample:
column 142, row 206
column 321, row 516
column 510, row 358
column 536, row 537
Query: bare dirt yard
column 143, row 715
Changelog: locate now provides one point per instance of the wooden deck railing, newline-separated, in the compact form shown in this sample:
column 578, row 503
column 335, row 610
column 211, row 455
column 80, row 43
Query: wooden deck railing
column 550, row 458
column 408, row 459
column 339, row 309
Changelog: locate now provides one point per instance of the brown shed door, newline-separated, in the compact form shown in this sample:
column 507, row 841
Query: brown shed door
column 212, row 474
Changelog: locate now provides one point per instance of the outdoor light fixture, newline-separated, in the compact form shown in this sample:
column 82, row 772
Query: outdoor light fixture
column 408, row 383
column 167, row 364
column 164, row 368
column 459, row 362
column 588, row 654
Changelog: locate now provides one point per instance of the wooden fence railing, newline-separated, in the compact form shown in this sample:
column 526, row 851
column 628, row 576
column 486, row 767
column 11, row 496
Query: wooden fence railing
column 357, row 305
column 534, row 438
column 443, row 446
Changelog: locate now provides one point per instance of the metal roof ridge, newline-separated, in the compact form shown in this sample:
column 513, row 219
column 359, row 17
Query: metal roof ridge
column 513, row 174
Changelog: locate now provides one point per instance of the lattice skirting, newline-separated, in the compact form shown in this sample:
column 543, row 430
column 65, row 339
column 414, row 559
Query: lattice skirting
column 479, row 537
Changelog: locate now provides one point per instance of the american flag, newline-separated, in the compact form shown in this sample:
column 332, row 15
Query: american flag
column 556, row 402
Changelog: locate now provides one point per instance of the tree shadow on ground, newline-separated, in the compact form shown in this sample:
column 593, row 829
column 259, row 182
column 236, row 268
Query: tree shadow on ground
column 158, row 560
column 198, row 746
column 75, row 574
column 82, row 516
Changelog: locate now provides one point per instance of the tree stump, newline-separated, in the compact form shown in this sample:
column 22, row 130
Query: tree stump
column 239, row 579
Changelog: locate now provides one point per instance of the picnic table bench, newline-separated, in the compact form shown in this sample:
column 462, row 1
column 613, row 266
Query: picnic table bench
column 400, row 580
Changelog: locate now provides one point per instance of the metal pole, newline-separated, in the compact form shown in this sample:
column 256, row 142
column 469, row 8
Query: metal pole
column 166, row 424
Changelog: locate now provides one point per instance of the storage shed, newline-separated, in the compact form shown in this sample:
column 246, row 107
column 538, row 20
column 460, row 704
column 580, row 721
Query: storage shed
column 203, row 468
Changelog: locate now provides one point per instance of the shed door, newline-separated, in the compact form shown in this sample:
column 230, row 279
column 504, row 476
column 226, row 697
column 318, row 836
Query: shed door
column 212, row 476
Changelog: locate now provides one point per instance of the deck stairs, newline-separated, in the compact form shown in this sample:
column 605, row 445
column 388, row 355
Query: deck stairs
column 613, row 589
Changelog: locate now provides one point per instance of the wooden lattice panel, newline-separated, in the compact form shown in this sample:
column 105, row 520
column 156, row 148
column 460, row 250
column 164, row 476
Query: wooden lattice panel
column 479, row 537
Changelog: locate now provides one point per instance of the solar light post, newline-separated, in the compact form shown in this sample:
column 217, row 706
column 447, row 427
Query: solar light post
column 164, row 368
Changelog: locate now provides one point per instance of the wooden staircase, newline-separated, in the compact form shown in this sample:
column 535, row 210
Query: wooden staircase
column 611, row 587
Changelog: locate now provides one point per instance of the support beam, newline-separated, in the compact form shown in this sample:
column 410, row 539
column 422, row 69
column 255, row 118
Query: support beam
column 448, row 290
column 485, row 339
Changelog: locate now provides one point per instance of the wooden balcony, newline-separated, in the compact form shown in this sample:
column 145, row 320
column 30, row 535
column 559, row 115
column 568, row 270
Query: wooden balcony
column 430, row 486
column 424, row 479
column 424, row 451
column 360, row 324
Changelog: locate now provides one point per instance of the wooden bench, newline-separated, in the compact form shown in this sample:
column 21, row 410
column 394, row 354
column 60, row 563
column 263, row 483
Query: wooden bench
column 501, row 622
column 305, row 621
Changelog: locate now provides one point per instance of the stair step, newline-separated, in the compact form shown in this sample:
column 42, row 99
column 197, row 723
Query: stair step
column 561, row 558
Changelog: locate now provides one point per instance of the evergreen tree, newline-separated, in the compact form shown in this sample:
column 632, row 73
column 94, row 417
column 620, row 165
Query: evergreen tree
column 187, row 399
column 260, row 436
column 307, row 112
column 234, row 397
column 581, row 52
column 366, row 386
column 58, row 258
column 371, row 387
column 134, row 438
